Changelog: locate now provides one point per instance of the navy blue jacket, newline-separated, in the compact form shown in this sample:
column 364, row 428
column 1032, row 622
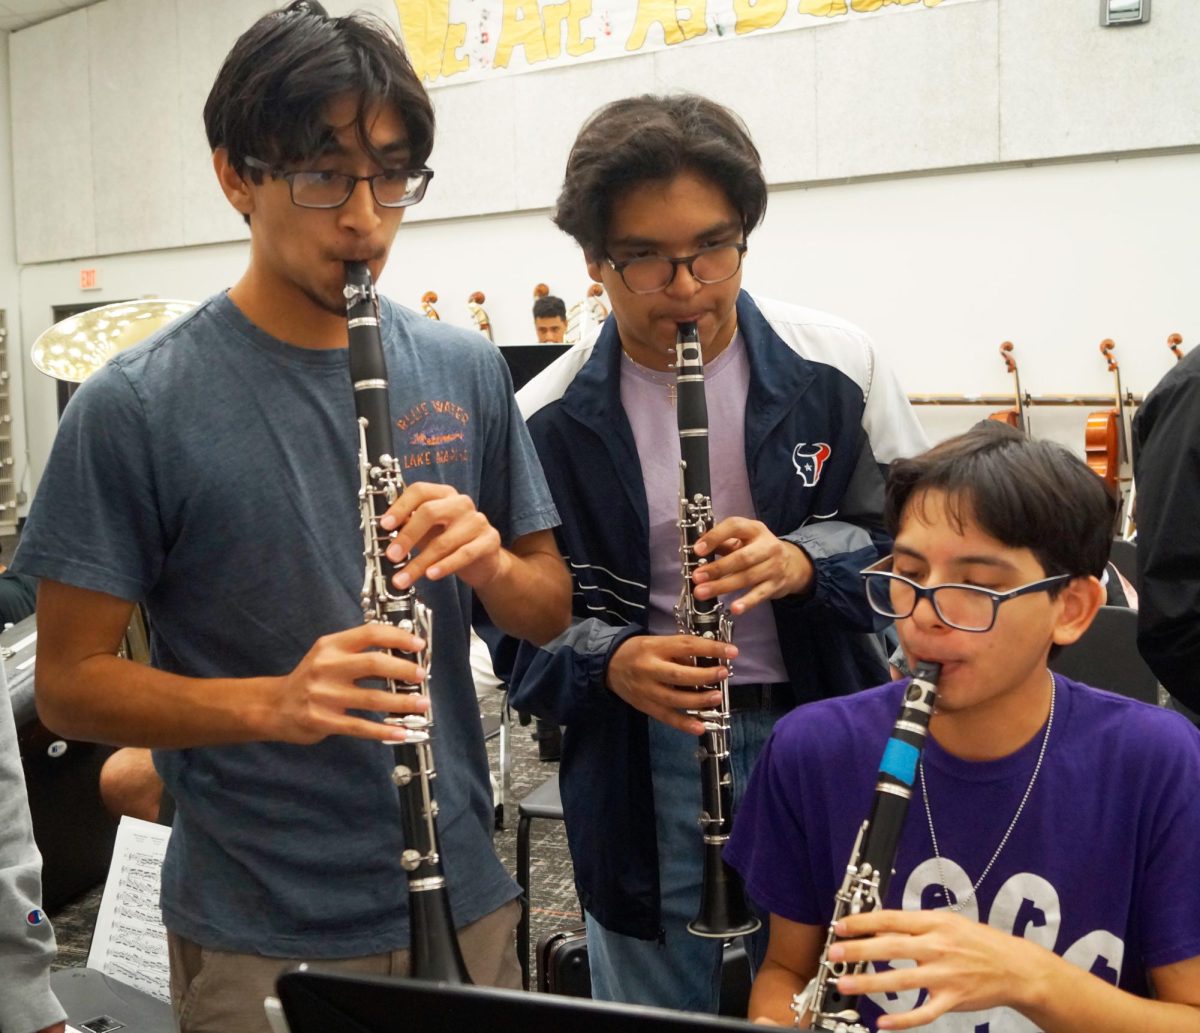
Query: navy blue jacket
column 813, row 380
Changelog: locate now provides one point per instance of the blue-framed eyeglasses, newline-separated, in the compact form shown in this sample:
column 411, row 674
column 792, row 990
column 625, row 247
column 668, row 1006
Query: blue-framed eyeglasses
column 391, row 188
column 964, row 607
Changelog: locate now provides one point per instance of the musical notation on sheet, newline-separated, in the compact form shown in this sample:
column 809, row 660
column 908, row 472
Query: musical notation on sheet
column 130, row 943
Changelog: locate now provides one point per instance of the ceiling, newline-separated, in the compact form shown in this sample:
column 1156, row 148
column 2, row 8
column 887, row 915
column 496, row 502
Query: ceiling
column 18, row 14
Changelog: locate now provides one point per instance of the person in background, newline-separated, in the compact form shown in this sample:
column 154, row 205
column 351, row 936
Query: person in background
column 27, row 946
column 18, row 596
column 1166, row 464
column 550, row 319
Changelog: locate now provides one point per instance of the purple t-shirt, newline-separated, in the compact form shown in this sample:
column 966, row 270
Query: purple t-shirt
column 1100, row 868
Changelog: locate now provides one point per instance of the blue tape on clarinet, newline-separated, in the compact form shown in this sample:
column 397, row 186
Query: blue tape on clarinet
column 900, row 761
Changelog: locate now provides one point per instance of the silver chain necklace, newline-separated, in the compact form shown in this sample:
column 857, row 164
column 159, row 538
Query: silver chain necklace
column 1011, row 825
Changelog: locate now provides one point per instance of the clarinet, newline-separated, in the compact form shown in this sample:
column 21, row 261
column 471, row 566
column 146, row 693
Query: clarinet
column 869, row 872
column 435, row 954
column 723, row 908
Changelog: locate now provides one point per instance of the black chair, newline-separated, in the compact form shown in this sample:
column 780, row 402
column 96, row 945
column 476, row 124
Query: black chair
column 1106, row 657
column 1124, row 557
column 544, row 802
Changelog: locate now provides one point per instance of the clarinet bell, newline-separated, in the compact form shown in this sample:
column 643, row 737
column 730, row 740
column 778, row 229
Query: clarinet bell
column 723, row 908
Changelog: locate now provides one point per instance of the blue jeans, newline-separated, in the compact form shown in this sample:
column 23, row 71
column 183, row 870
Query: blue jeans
column 680, row 970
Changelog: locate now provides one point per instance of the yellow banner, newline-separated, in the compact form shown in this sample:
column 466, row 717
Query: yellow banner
column 452, row 41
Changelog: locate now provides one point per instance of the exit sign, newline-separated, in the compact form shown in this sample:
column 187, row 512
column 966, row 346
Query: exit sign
column 89, row 279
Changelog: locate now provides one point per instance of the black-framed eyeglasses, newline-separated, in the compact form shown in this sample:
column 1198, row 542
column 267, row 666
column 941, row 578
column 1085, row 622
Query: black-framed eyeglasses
column 654, row 273
column 391, row 188
column 964, row 607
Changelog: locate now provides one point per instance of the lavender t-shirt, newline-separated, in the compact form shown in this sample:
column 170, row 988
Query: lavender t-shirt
column 648, row 399
column 1100, row 868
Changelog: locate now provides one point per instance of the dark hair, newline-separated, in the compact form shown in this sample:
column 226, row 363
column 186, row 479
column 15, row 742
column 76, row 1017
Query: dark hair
column 268, row 98
column 647, row 138
column 548, row 307
column 1027, row 494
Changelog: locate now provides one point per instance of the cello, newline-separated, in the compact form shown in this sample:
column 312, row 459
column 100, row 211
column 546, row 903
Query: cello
column 478, row 316
column 597, row 310
column 1173, row 342
column 1106, row 443
column 1014, row 417
column 428, row 300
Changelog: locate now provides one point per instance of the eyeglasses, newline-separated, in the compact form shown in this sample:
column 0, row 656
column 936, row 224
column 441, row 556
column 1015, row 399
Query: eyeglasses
column 392, row 188
column 655, row 273
column 964, row 607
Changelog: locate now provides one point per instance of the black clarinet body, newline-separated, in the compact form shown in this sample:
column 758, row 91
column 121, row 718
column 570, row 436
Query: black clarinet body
column 435, row 953
column 723, row 908
column 873, row 858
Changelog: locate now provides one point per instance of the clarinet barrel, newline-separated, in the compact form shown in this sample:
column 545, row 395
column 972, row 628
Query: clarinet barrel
column 724, row 911
column 434, row 950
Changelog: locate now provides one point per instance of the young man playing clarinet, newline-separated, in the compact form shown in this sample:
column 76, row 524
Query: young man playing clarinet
column 212, row 473
column 662, row 194
column 1045, row 870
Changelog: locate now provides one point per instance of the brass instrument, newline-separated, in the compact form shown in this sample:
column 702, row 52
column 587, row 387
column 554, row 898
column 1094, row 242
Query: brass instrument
column 73, row 349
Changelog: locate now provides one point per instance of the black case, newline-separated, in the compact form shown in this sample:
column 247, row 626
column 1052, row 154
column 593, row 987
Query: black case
column 562, row 968
column 562, row 963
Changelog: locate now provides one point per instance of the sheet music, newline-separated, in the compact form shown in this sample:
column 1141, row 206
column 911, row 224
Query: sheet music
column 130, row 943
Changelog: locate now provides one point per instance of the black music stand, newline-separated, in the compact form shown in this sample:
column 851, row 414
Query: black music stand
column 316, row 1002
column 525, row 361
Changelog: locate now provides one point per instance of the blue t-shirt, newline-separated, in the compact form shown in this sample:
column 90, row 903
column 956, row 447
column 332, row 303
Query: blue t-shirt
column 213, row 473
column 1100, row 868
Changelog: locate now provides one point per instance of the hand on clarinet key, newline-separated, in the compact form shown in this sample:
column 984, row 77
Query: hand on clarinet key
column 444, row 534
column 750, row 558
column 656, row 675
column 314, row 700
column 964, row 965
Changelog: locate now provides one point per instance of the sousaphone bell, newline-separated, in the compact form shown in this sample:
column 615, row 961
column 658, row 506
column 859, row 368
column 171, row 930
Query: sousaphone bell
column 74, row 348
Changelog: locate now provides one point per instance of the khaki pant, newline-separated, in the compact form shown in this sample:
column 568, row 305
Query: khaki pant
column 222, row 992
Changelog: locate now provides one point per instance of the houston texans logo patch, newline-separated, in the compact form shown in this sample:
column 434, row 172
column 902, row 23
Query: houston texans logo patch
column 809, row 460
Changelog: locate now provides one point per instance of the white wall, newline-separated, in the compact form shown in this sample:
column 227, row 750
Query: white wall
column 112, row 95
column 947, row 177
column 939, row 269
column 10, row 290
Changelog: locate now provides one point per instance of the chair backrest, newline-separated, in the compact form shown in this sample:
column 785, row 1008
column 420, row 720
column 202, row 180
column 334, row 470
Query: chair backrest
column 1124, row 557
column 1106, row 657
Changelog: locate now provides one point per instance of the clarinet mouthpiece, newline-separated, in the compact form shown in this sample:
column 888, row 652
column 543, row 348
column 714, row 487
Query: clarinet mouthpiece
column 927, row 671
